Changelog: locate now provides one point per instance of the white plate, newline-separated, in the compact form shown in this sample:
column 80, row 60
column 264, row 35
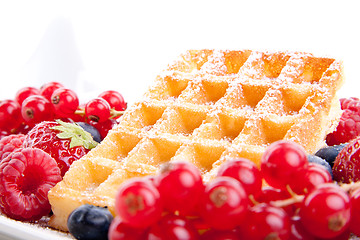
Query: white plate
column 11, row 229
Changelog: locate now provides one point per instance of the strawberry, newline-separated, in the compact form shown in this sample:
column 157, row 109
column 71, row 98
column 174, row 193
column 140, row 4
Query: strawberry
column 10, row 143
column 26, row 176
column 346, row 167
column 65, row 142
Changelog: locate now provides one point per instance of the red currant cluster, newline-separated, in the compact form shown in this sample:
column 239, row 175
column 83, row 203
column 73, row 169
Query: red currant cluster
column 53, row 101
column 286, row 198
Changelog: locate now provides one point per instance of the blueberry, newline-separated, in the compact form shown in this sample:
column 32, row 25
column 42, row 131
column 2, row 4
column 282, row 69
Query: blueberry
column 329, row 153
column 92, row 130
column 320, row 161
column 90, row 222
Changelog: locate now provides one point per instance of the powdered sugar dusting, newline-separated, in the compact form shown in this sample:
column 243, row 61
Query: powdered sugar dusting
column 215, row 64
column 199, row 112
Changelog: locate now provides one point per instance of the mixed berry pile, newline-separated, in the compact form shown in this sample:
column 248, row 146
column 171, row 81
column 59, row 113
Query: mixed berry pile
column 43, row 131
column 31, row 106
column 290, row 195
column 299, row 201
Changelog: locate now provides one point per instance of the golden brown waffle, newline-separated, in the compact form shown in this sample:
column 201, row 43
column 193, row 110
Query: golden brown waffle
column 207, row 107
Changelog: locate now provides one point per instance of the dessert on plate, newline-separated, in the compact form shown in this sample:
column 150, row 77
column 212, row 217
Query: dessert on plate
column 206, row 107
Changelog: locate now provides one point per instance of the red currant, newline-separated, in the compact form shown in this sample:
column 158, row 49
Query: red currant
column 10, row 115
column 309, row 177
column 172, row 227
column 180, row 186
column 65, row 102
column 138, row 203
column 344, row 236
column 23, row 129
column 225, row 203
column 270, row 194
column 115, row 100
column 97, row 110
column 325, row 212
column 246, row 172
column 355, row 212
column 48, row 89
column 199, row 223
column 266, row 222
column 297, row 230
column 24, row 93
column 121, row 231
column 280, row 161
column 214, row 234
column 76, row 116
column 35, row 109
column 104, row 127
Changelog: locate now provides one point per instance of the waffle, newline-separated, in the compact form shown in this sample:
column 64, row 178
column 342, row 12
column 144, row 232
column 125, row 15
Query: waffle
column 207, row 107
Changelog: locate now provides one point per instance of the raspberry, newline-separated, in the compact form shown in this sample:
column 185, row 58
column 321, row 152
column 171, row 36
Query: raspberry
column 26, row 176
column 352, row 103
column 349, row 125
column 9, row 143
column 346, row 167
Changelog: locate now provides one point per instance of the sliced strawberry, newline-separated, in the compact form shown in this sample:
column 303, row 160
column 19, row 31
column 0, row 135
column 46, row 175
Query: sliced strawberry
column 9, row 143
column 65, row 142
column 346, row 167
column 26, row 176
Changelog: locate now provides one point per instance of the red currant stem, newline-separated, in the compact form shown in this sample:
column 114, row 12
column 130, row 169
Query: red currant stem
column 295, row 198
column 292, row 193
column 348, row 187
column 114, row 113
column 253, row 200
column 289, row 201
column 80, row 112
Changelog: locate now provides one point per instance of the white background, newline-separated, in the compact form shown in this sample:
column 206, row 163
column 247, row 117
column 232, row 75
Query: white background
column 92, row 46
